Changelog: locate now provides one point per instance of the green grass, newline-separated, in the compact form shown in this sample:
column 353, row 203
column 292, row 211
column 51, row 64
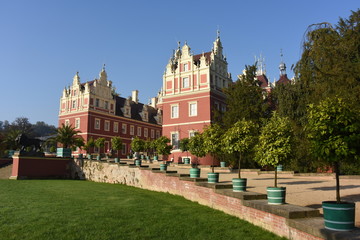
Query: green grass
column 61, row 209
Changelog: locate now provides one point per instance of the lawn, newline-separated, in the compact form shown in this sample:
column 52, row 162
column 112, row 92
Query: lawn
column 64, row 209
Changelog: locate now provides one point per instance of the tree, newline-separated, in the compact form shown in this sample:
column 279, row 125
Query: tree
column 89, row 144
column 245, row 99
column 275, row 142
column 137, row 144
column 116, row 143
column 162, row 145
column 212, row 144
column 40, row 129
column 184, row 145
column 22, row 124
column 196, row 145
column 67, row 135
column 334, row 133
column 100, row 143
column 240, row 139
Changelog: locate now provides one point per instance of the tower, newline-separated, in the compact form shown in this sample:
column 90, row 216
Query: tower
column 192, row 89
column 282, row 67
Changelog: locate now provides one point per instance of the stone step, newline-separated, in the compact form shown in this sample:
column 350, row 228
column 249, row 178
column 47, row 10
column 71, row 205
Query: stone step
column 214, row 185
column 193, row 179
column 285, row 210
column 167, row 172
column 241, row 195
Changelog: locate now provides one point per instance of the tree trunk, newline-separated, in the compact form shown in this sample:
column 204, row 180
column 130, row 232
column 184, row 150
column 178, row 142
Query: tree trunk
column 337, row 173
column 239, row 166
column 275, row 177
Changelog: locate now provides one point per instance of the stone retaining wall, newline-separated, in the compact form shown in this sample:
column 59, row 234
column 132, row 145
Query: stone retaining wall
column 161, row 182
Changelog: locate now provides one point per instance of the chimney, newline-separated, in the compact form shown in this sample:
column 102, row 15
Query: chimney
column 154, row 102
column 134, row 96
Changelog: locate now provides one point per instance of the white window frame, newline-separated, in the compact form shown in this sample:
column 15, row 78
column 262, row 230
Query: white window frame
column 124, row 128
column 152, row 133
column 73, row 105
column 185, row 82
column 106, row 105
column 95, row 126
column 192, row 133
column 193, row 112
column 186, row 67
column 146, row 132
column 116, row 127
column 97, row 102
column 77, row 123
column 132, row 129
column 157, row 133
column 123, row 149
column 67, row 122
column 176, row 145
column 138, row 131
column 174, row 114
column 107, row 125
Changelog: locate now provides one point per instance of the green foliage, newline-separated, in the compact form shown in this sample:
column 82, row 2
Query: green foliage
column 196, row 145
column 184, row 144
column 89, row 144
column 67, row 135
column 275, row 142
column 212, row 143
column 100, row 143
column 334, row 130
column 52, row 149
column 245, row 99
column 116, row 143
column 137, row 144
column 162, row 145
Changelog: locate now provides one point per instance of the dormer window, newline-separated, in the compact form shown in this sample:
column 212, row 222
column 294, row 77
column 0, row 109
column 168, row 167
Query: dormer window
column 97, row 102
column 106, row 105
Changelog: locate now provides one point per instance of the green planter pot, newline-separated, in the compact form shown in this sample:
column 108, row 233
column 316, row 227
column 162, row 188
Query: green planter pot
column 195, row 172
column 186, row 160
column 213, row 177
column 239, row 184
column 63, row 152
column 156, row 157
column 339, row 216
column 222, row 164
column 147, row 158
column 98, row 157
column 142, row 157
column 10, row 153
column 276, row 196
column 163, row 167
column 89, row 156
column 116, row 160
column 137, row 162
column 279, row 168
column 128, row 157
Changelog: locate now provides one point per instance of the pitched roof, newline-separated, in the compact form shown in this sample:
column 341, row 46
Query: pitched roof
column 283, row 80
column 198, row 56
column 263, row 80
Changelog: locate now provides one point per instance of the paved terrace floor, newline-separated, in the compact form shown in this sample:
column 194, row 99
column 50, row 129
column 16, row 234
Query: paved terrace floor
column 307, row 191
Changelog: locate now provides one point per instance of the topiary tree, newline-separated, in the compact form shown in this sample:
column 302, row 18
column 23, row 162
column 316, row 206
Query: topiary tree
column 89, row 145
column 116, row 143
column 184, row 145
column 334, row 133
column 196, row 145
column 240, row 139
column 275, row 143
column 162, row 145
column 137, row 144
column 100, row 143
column 212, row 144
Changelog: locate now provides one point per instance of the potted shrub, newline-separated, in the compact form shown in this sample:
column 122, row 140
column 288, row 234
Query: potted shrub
column 99, row 143
column 88, row 146
column 163, row 148
column 184, row 147
column 116, row 145
column 196, row 148
column 274, row 147
column 212, row 136
column 147, row 148
column 137, row 145
column 66, row 135
column 334, row 133
column 240, row 140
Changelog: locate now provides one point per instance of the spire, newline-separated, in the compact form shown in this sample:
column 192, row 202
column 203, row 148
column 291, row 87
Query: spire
column 260, row 64
column 217, row 49
column 103, row 75
column 76, row 79
column 282, row 66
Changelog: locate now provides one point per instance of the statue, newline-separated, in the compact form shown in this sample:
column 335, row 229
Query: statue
column 26, row 142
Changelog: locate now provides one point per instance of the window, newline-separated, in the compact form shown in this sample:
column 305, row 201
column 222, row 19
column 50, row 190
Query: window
column 152, row 132
column 175, row 140
column 157, row 134
column 123, row 149
column 139, row 131
column 186, row 82
column 67, row 122
column 145, row 132
column 174, row 111
column 132, row 130
column 191, row 133
column 193, row 109
column 74, row 104
column 124, row 129
column 74, row 92
column 107, row 126
column 97, row 102
column 186, row 67
column 223, row 108
column 217, row 106
column 116, row 127
column 106, row 105
column 77, row 123
column 97, row 123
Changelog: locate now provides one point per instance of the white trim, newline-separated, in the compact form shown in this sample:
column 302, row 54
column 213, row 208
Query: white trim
column 340, row 209
column 117, row 127
column 105, row 122
column 336, row 222
column 187, row 123
column 196, row 108
column 97, row 128
column 172, row 115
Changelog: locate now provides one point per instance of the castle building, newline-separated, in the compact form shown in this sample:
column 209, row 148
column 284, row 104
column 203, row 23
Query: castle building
column 97, row 111
column 192, row 89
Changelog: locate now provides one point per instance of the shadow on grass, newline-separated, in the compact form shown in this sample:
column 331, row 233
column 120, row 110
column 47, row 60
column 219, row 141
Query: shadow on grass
column 301, row 182
column 333, row 188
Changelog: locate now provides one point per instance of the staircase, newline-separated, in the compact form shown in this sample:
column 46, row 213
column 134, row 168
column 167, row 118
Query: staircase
column 5, row 171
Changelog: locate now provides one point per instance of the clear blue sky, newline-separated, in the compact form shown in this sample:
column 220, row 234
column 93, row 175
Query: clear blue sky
column 44, row 43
